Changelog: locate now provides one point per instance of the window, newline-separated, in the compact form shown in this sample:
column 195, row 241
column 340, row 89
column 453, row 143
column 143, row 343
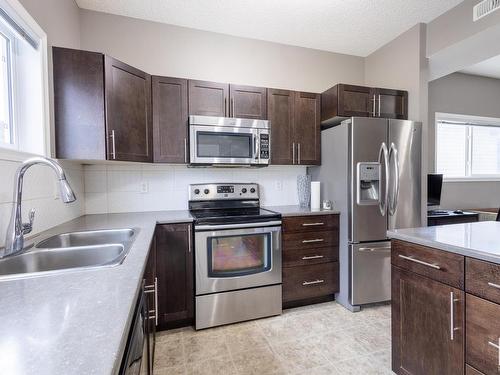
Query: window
column 467, row 147
column 23, row 93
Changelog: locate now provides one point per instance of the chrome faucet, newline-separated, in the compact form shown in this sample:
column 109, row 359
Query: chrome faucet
column 14, row 242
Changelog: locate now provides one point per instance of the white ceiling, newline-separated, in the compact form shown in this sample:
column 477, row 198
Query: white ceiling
column 355, row 27
column 487, row 68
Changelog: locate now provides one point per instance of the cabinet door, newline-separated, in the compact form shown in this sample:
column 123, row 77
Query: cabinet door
column 281, row 115
column 79, row 104
column 391, row 103
column 248, row 102
column 208, row 98
column 174, row 269
column 128, row 112
column 170, row 120
column 427, row 326
column 355, row 101
column 307, row 131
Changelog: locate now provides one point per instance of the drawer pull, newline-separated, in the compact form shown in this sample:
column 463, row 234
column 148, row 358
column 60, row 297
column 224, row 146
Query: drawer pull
column 313, row 257
column 312, row 224
column 411, row 259
column 313, row 282
column 496, row 346
column 494, row 285
column 315, row 240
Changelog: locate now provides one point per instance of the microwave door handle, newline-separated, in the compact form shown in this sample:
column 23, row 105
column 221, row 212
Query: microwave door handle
column 254, row 137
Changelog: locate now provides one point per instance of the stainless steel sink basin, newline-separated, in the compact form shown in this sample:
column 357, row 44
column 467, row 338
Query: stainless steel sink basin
column 88, row 238
column 45, row 260
column 70, row 251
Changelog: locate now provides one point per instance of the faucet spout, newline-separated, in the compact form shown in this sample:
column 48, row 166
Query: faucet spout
column 14, row 241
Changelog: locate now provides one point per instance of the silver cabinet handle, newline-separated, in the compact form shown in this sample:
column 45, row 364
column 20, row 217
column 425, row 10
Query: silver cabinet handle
column 185, row 151
column 293, row 153
column 189, row 238
column 393, row 201
column 379, row 97
column 374, row 104
column 315, row 240
column 312, row 224
column 232, row 108
column 411, row 259
column 383, row 153
column 313, row 282
column 312, row 257
column 156, row 301
column 496, row 346
column 298, row 152
column 384, row 249
column 225, row 108
column 493, row 285
column 452, row 316
column 113, row 145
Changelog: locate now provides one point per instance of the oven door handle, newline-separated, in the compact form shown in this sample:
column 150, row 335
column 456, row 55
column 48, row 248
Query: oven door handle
column 238, row 226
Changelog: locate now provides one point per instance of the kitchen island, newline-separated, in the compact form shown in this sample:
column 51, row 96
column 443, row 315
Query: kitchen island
column 446, row 299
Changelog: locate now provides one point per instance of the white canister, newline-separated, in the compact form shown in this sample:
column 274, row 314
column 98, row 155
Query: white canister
column 315, row 195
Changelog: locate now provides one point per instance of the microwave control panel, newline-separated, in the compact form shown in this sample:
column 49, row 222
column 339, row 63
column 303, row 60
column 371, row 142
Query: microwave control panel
column 264, row 146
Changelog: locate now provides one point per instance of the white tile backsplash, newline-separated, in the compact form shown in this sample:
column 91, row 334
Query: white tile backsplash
column 40, row 191
column 110, row 188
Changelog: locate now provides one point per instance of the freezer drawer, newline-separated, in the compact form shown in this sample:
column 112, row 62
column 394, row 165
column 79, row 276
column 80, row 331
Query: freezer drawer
column 370, row 272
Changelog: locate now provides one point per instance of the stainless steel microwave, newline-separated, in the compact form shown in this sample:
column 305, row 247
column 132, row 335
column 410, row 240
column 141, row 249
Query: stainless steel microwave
column 229, row 141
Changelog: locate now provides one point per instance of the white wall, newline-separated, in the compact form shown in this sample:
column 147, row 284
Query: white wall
column 182, row 52
column 117, row 188
column 60, row 20
column 468, row 95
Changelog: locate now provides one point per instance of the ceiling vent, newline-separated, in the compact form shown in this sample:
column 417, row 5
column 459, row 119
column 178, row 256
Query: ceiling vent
column 484, row 8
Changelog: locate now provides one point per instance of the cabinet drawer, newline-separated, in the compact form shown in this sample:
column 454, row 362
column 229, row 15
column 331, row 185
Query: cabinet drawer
column 482, row 334
column 438, row 265
column 310, row 223
column 309, row 240
column 310, row 281
column 301, row 257
column 482, row 279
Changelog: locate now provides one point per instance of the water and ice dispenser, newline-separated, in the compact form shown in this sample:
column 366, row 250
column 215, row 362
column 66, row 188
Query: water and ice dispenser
column 368, row 184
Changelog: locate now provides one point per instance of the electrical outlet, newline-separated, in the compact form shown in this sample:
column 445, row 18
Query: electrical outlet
column 144, row 187
column 279, row 185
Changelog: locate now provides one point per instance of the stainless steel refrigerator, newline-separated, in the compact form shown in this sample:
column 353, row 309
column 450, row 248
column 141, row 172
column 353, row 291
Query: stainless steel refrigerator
column 371, row 169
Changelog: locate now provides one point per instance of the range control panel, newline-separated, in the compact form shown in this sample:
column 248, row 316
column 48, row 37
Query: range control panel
column 203, row 192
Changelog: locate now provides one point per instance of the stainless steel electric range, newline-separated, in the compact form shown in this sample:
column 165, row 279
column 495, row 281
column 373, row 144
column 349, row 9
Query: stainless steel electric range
column 237, row 254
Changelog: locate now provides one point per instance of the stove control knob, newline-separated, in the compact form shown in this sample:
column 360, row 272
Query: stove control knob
column 244, row 190
column 206, row 191
column 197, row 191
column 252, row 190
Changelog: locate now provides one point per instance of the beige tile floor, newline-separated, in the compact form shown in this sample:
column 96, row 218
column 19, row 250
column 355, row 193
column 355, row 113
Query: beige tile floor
column 318, row 339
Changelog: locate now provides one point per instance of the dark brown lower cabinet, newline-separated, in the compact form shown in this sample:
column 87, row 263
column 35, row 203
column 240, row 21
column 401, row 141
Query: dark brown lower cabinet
column 427, row 326
column 175, row 275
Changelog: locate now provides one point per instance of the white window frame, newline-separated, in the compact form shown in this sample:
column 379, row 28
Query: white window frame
column 471, row 120
column 11, row 152
column 13, row 115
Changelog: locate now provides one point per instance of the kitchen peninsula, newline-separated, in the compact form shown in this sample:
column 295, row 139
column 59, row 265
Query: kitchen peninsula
column 446, row 299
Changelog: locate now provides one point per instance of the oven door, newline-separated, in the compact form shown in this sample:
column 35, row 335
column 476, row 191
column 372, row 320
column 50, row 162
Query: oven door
column 223, row 145
column 231, row 257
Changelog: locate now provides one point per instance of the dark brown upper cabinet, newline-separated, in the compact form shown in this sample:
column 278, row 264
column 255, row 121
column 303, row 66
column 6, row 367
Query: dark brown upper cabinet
column 102, row 108
column 128, row 112
column 208, row 98
column 343, row 101
column 281, row 107
column 295, row 127
column 307, row 128
column 248, row 102
column 170, row 120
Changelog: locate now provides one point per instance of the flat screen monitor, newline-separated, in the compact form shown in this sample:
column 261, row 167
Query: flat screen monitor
column 434, row 186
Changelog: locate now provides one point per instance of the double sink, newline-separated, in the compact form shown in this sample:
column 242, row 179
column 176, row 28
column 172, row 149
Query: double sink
column 70, row 251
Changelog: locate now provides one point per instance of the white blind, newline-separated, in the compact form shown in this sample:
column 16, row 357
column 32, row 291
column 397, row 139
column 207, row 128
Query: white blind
column 467, row 149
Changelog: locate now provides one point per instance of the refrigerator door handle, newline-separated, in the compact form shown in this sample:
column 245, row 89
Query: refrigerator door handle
column 383, row 153
column 393, row 201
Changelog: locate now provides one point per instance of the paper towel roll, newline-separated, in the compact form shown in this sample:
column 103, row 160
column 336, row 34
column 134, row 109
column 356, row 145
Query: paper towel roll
column 315, row 195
